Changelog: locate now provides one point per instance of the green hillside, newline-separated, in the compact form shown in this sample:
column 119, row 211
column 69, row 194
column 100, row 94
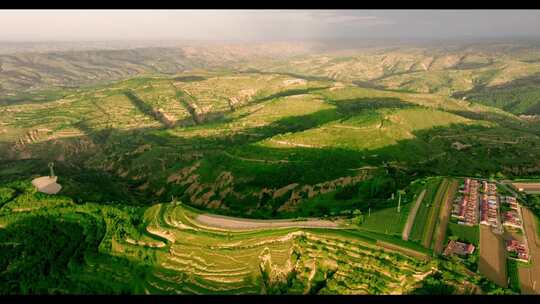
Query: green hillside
column 148, row 142
column 61, row 247
column 255, row 144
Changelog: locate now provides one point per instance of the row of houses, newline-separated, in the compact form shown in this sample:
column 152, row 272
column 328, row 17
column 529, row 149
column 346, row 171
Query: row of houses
column 511, row 201
column 511, row 217
column 489, row 207
column 465, row 206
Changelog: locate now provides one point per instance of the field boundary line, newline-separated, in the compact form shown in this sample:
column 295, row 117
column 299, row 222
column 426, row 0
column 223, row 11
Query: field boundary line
column 427, row 236
column 406, row 251
column 412, row 216
column 444, row 217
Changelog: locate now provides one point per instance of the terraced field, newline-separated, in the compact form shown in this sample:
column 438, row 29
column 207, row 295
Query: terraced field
column 172, row 252
column 229, row 259
column 254, row 135
column 297, row 175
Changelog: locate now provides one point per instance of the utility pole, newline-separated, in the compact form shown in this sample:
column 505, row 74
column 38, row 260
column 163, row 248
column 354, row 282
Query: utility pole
column 51, row 170
column 399, row 202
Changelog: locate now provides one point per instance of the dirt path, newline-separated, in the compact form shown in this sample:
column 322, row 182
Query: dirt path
column 350, row 127
column 531, row 188
column 433, row 214
column 288, row 143
column 281, row 161
column 492, row 263
column 412, row 216
column 233, row 223
column 529, row 277
column 403, row 250
column 444, row 216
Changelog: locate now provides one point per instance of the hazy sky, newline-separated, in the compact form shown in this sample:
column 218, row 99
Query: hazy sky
column 36, row 25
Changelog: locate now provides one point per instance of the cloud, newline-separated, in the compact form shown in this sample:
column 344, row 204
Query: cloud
column 349, row 18
column 246, row 25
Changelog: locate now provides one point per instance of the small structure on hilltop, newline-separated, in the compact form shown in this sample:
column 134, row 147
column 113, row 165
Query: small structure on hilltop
column 47, row 184
column 460, row 146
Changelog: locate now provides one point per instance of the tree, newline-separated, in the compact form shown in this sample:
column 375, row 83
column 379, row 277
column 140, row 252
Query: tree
column 358, row 217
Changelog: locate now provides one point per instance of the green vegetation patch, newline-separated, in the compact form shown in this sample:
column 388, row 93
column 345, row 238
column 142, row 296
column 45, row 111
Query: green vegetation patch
column 424, row 210
column 513, row 274
column 464, row 233
column 387, row 221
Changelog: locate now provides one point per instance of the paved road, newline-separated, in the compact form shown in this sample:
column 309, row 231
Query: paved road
column 412, row 216
column 234, row 223
column 519, row 195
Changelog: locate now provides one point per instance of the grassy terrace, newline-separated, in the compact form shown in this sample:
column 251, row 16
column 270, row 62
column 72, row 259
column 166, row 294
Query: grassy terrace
column 387, row 221
column 163, row 249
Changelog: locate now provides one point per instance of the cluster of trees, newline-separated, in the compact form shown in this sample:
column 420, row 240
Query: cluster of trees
column 533, row 202
column 35, row 253
column 515, row 99
column 434, row 284
column 6, row 194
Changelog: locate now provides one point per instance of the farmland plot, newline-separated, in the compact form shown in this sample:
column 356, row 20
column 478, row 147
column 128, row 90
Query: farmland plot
column 492, row 262
column 530, row 276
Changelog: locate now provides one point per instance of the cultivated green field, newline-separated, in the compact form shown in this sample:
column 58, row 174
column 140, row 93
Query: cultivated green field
column 163, row 249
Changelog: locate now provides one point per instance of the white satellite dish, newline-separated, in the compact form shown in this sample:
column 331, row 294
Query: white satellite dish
column 47, row 184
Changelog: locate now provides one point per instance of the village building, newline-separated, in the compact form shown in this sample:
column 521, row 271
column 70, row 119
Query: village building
column 512, row 219
column 459, row 248
column 517, row 250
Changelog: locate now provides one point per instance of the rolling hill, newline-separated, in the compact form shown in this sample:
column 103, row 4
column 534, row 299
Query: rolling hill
column 153, row 146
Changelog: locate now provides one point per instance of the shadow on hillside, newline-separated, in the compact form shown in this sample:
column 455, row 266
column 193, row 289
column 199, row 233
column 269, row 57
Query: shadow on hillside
column 287, row 93
column 506, row 121
column 295, row 75
column 429, row 152
column 508, row 96
column 190, row 78
column 471, row 65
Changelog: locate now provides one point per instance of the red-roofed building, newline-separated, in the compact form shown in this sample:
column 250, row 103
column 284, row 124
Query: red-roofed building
column 459, row 248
